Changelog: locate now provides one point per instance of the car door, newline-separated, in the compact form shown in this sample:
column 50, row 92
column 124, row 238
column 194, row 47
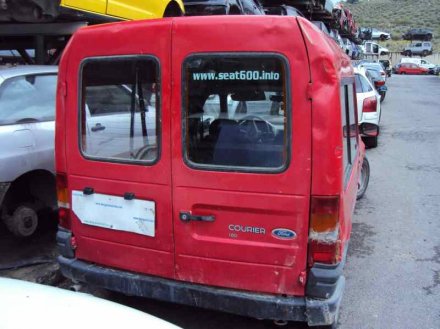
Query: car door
column 118, row 154
column 241, row 189
column 96, row 6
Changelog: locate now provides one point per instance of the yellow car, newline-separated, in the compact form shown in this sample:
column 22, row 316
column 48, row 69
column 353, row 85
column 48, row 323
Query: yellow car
column 126, row 9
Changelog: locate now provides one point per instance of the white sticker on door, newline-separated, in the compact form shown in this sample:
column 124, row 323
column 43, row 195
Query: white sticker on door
column 115, row 213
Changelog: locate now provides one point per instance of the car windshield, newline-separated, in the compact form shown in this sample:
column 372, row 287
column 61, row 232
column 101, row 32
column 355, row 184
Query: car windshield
column 29, row 98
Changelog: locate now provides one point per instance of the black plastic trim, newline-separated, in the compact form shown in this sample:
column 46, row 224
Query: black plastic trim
column 64, row 246
column 256, row 305
column 323, row 279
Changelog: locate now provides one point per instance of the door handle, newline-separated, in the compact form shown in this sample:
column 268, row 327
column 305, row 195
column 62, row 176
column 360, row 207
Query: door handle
column 98, row 127
column 186, row 217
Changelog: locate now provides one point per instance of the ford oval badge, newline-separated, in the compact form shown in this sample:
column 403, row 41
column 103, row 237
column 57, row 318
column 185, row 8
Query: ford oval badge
column 283, row 233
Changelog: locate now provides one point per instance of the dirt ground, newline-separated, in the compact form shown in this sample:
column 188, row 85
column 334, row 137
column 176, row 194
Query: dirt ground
column 32, row 259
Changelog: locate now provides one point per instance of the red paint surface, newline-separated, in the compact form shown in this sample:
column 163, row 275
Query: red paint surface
column 203, row 252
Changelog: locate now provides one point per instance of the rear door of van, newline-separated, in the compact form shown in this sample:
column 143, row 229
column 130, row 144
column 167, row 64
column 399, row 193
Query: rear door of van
column 241, row 154
column 118, row 154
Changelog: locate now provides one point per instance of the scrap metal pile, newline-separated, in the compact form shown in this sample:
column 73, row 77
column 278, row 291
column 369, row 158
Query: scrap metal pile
column 330, row 12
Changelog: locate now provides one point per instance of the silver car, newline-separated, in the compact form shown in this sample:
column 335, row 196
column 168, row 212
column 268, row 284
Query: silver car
column 27, row 122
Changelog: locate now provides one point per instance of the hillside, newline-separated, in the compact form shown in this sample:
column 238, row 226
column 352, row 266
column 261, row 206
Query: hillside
column 397, row 17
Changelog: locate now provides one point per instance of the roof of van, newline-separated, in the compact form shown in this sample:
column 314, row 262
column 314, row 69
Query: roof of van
column 243, row 33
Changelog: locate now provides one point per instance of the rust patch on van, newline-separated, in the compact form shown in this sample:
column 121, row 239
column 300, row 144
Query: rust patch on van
column 360, row 243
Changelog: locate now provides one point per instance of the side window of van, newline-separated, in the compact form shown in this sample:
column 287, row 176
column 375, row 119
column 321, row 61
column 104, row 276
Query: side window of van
column 236, row 112
column 349, row 125
column 120, row 109
column 352, row 121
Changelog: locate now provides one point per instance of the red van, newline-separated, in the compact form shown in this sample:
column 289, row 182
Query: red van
column 210, row 161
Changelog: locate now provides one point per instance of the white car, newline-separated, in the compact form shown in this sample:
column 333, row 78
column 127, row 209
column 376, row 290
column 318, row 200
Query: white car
column 368, row 103
column 372, row 48
column 30, row 305
column 378, row 34
column 27, row 123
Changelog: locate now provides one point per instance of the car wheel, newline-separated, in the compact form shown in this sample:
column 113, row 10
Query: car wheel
column 425, row 53
column 330, row 326
column 370, row 142
column 383, row 37
column 402, row 73
column 364, row 178
column 23, row 222
column 429, row 37
column 382, row 96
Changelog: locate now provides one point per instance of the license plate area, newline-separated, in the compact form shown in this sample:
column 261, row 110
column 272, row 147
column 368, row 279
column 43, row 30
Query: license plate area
column 115, row 213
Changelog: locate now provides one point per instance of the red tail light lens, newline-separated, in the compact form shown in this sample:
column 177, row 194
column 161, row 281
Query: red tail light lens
column 324, row 243
column 63, row 201
column 370, row 104
column 379, row 83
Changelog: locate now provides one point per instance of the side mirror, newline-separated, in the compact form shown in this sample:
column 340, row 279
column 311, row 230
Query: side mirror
column 369, row 129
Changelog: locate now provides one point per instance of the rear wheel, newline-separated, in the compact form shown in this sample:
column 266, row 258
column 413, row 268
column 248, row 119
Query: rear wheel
column 425, row 53
column 370, row 142
column 364, row 178
column 330, row 326
column 23, row 222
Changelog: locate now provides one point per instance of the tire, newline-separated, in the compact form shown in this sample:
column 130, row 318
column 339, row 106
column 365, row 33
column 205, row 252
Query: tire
column 370, row 142
column 382, row 97
column 402, row 73
column 23, row 222
column 364, row 178
column 330, row 326
column 383, row 37
column 425, row 53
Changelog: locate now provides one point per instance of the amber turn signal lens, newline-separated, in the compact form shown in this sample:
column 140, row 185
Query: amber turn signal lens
column 324, row 214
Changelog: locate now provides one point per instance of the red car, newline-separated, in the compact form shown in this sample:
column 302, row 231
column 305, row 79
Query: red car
column 221, row 182
column 411, row 68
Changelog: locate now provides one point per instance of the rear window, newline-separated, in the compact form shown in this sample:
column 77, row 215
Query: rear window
column 120, row 109
column 236, row 112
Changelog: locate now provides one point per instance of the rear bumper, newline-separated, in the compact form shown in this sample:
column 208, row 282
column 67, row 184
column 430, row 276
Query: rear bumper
column 313, row 310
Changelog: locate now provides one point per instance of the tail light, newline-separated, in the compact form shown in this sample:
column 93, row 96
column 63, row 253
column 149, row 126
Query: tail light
column 370, row 104
column 63, row 201
column 324, row 243
column 379, row 83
